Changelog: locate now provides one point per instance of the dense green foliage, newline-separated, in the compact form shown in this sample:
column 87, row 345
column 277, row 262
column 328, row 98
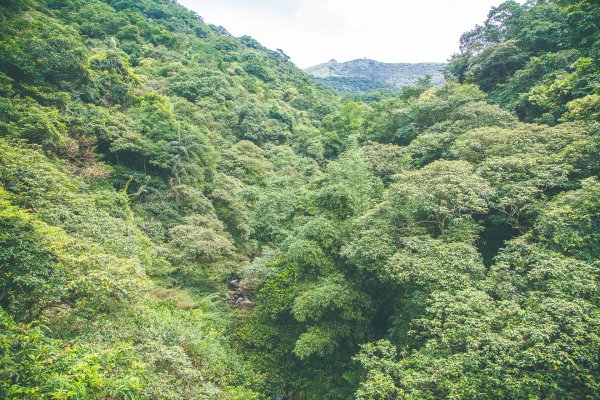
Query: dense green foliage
column 538, row 59
column 363, row 76
column 186, row 215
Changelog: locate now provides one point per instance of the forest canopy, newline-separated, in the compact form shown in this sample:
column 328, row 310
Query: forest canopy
column 186, row 215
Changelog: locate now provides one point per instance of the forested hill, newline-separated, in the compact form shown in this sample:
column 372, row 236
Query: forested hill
column 187, row 215
column 359, row 76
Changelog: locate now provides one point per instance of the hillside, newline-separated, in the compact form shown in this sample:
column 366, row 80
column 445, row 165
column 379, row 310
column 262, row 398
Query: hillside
column 186, row 215
column 358, row 76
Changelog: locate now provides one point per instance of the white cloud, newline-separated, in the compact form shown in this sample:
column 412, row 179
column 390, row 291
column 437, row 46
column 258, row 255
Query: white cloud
column 314, row 31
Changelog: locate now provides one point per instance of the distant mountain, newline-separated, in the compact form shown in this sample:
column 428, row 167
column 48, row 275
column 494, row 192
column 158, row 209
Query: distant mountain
column 359, row 76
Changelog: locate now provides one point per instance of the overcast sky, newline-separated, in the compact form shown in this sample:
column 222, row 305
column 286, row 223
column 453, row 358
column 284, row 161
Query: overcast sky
column 315, row 31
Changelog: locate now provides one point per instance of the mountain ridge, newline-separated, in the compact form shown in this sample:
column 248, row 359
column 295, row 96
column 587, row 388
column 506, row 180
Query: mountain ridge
column 363, row 75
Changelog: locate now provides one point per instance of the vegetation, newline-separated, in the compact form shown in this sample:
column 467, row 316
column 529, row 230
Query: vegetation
column 538, row 59
column 186, row 215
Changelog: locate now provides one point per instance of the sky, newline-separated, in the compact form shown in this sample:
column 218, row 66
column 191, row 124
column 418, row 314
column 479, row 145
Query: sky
column 314, row 31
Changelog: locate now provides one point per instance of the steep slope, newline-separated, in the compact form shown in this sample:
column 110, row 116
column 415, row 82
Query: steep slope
column 364, row 75
column 129, row 161
column 538, row 59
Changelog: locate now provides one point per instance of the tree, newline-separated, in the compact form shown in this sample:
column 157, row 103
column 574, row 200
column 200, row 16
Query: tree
column 571, row 222
column 441, row 193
